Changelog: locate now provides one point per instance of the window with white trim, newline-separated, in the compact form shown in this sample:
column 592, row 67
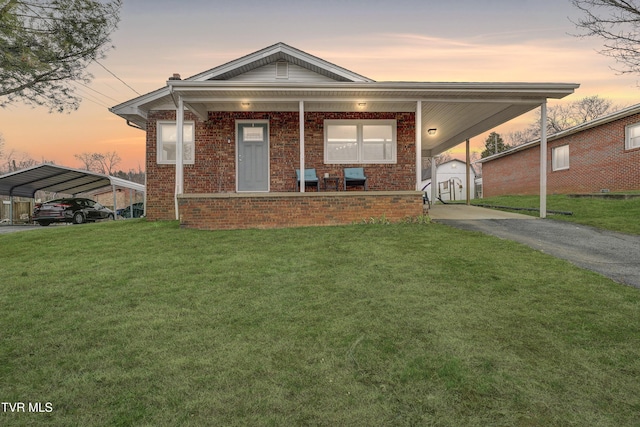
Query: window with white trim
column 167, row 136
column 360, row 141
column 632, row 136
column 560, row 158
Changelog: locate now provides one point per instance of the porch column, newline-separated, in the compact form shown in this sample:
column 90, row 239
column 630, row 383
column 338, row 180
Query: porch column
column 434, row 180
column 179, row 159
column 302, row 184
column 418, row 145
column 543, row 159
column 468, row 174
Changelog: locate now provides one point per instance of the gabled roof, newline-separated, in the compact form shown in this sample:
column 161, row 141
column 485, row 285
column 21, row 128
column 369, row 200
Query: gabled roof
column 458, row 111
column 276, row 53
column 58, row 179
column 617, row 115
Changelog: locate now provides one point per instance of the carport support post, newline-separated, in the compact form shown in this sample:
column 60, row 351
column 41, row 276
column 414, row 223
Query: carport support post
column 115, row 198
column 11, row 210
column 468, row 174
column 543, row 159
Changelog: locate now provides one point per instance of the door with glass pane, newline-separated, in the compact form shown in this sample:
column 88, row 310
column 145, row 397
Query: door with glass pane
column 253, row 157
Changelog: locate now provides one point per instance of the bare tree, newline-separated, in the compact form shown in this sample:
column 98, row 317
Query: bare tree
column 106, row 162
column 564, row 116
column 16, row 160
column 87, row 159
column 617, row 22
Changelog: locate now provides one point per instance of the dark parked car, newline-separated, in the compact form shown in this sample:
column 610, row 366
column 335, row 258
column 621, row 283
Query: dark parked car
column 76, row 210
column 138, row 211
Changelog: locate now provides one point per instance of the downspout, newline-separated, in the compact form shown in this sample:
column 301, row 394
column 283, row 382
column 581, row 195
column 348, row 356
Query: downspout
column 133, row 125
column 301, row 113
column 543, row 159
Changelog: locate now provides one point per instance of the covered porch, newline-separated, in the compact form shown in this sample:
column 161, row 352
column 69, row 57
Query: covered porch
column 443, row 116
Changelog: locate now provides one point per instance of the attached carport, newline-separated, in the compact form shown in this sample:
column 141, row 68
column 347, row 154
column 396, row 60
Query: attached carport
column 59, row 179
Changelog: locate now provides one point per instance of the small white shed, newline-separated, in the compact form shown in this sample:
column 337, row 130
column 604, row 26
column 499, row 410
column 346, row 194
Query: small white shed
column 452, row 180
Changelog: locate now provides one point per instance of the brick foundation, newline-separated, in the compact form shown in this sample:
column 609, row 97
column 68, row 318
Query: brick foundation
column 277, row 210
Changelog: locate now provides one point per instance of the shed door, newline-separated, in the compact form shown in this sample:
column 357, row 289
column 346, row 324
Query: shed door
column 253, row 157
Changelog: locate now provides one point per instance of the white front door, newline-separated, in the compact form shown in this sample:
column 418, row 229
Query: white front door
column 253, row 157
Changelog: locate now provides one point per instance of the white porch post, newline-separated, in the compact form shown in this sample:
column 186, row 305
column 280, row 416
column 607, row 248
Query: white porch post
column 418, row 145
column 302, row 185
column 468, row 165
column 179, row 156
column 434, row 180
column 543, row 159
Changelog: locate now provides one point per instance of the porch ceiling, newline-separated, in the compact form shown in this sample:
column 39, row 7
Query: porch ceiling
column 457, row 110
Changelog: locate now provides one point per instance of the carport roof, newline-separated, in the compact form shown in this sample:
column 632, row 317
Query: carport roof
column 58, row 179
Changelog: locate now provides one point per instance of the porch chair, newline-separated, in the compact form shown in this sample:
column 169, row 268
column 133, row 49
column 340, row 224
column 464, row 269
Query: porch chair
column 310, row 178
column 355, row 176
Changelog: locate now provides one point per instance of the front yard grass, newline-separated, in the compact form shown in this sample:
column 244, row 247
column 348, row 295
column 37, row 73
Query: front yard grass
column 610, row 214
column 143, row 323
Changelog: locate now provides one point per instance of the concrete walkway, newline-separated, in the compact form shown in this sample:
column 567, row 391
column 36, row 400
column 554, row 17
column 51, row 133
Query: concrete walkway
column 465, row 212
column 614, row 255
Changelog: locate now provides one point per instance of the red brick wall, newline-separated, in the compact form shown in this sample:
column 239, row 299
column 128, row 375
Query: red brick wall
column 214, row 168
column 597, row 160
column 273, row 210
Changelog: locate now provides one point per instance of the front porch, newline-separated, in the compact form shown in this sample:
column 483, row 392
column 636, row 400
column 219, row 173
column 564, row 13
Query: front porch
column 275, row 210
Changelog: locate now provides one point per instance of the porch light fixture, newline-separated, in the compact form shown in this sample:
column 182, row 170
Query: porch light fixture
column 432, row 131
column 362, row 104
column 246, row 104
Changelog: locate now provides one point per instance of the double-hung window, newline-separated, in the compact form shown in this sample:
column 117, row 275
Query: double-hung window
column 632, row 137
column 360, row 141
column 167, row 136
column 560, row 158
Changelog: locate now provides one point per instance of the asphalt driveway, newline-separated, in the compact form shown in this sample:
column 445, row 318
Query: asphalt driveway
column 614, row 255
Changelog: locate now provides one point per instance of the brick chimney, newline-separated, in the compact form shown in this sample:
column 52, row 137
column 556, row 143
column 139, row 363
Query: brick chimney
column 175, row 76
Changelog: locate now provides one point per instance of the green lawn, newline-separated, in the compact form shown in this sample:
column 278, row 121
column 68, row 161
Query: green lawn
column 142, row 323
column 609, row 214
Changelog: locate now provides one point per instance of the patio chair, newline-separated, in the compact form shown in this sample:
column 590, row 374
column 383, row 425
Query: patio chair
column 310, row 178
column 355, row 176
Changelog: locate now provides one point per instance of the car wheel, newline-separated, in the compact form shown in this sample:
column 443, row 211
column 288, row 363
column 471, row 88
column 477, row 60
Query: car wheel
column 110, row 217
column 44, row 223
column 78, row 218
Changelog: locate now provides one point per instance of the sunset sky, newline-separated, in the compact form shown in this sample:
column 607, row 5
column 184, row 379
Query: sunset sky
column 401, row 40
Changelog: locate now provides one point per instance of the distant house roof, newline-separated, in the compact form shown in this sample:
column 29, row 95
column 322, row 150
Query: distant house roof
column 58, row 179
column 458, row 111
column 625, row 112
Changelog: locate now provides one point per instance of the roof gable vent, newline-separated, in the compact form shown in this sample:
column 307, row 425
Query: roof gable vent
column 282, row 70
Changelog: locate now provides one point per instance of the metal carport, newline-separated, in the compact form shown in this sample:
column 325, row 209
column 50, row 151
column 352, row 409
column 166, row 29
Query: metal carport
column 59, row 179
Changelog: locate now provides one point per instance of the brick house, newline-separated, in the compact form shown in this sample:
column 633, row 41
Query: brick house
column 602, row 154
column 223, row 146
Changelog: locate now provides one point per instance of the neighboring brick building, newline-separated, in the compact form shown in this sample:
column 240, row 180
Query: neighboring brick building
column 603, row 154
column 244, row 124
